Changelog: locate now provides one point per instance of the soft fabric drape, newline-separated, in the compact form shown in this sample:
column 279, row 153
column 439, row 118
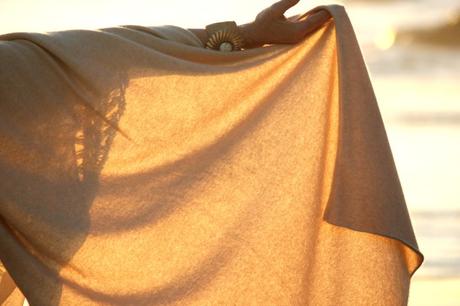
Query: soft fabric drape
column 138, row 168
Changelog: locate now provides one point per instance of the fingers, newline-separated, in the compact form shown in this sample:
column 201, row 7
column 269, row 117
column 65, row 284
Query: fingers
column 313, row 22
column 293, row 18
column 282, row 6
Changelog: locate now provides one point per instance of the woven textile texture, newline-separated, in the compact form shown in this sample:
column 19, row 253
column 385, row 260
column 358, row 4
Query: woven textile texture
column 139, row 168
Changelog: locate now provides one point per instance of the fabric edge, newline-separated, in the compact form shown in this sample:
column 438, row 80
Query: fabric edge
column 335, row 10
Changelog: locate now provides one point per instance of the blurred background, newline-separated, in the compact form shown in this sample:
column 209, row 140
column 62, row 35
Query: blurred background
column 412, row 49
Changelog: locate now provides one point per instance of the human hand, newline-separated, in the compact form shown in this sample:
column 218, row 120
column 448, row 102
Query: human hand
column 272, row 27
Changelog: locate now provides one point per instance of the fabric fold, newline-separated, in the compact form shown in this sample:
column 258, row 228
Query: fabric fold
column 366, row 193
column 138, row 168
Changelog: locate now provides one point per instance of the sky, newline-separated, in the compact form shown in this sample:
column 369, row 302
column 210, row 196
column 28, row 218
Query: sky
column 54, row 15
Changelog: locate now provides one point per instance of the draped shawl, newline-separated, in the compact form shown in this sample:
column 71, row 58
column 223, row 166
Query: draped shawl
column 139, row 168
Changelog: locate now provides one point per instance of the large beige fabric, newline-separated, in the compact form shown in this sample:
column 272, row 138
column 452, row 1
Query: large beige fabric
column 260, row 177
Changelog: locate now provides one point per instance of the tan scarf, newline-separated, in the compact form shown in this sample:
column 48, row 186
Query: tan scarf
column 138, row 168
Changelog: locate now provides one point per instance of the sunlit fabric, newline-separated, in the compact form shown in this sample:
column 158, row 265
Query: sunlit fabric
column 138, row 168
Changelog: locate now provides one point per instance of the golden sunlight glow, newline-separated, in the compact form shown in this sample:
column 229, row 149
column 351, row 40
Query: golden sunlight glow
column 386, row 38
column 403, row 87
column 55, row 15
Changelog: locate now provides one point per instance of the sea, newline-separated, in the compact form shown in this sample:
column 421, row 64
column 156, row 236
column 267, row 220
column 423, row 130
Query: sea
column 417, row 84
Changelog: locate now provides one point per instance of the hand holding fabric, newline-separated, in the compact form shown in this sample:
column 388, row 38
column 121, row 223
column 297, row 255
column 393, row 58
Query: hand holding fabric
column 272, row 27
